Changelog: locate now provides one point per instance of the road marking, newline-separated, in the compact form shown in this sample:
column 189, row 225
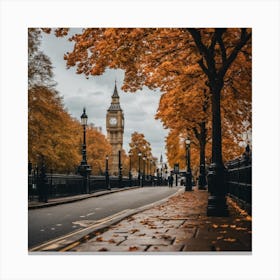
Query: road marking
column 98, row 223
column 58, row 225
column 70, row 246
column 89, row 214
column 84, row 223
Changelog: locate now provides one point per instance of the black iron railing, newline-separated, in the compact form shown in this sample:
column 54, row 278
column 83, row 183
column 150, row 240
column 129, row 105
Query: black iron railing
column 62, row 185
column 239, row 180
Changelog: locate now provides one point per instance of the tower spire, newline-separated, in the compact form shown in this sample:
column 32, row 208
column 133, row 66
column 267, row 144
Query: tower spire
column 115, row 104
column 115, row 94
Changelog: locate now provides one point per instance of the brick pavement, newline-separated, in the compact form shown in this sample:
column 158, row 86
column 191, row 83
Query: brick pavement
column 180, row 224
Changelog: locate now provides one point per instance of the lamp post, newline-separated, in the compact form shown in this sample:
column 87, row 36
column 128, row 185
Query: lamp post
column 120, row 170
column 147, row 168
column 165, row 177
column 107, row 178
column 129, row 172
column 43, row 187
column 84, row 169
column 150, row 171
column 144, row 173
column 139, row 174
column 188, row 184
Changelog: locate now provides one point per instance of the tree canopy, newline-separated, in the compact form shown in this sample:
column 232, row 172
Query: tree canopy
column 197, row 69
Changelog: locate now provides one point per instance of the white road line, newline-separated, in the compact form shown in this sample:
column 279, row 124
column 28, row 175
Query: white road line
column 89, row 214
column 99, row 222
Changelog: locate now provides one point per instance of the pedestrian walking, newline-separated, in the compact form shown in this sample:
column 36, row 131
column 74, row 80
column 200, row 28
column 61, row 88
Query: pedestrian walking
column 170, row 181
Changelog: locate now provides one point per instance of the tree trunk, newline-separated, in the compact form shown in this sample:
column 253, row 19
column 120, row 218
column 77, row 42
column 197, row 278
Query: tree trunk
column 202, row 143
column 216, row 126
column 217, row 205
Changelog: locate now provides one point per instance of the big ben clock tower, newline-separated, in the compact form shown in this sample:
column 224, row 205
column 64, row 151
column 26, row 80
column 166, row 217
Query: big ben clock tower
column 115, row 128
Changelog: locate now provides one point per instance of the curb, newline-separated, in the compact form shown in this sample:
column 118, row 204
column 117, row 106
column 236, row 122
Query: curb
column 49, row 204
column 71, row 240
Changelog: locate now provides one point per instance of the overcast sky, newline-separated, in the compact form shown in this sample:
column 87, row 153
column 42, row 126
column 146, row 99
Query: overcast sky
column 95, row 94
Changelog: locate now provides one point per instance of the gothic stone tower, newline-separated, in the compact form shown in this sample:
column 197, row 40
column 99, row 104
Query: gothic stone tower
column 115, row 128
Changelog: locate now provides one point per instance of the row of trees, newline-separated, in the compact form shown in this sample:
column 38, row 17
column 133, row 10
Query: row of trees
column 204, row 74
column 53, row 135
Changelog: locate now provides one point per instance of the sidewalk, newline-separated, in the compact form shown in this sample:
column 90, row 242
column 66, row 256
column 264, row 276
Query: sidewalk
column 34, row 204
column 180, row 224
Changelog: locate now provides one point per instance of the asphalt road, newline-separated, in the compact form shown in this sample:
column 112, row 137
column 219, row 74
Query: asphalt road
column 49, row 223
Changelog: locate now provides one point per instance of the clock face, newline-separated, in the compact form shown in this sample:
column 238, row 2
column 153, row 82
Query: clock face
column 113, row 121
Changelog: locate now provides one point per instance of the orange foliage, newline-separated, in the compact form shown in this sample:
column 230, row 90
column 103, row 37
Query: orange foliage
column 175, row 60
column 137, row 145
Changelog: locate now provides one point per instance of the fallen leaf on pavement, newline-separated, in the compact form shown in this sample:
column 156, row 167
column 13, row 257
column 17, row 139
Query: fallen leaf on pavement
column 241, row 228
column 99, row 239
column 111, row 241
column 224, row 226
column 164, row 236
column 103, row 250
column 133, row 248
column 230, row 239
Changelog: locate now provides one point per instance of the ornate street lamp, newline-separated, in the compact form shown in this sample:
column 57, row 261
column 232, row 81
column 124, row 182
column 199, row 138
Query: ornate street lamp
column 43, row 187
column 188, row 184
column 150, row 170
column 107, row 178
column 120, row 170
column 147, row 168
column 139, row 171
column 165, row 168
column 144, row 173
column 84, row 169
column 129, row 172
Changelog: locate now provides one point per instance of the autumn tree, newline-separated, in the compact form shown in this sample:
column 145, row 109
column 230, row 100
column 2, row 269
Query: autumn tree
column 97, row 149
column 145, row 54
column 53, row 135
column 187, row 113
column 51, row 131
column 139, row 144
